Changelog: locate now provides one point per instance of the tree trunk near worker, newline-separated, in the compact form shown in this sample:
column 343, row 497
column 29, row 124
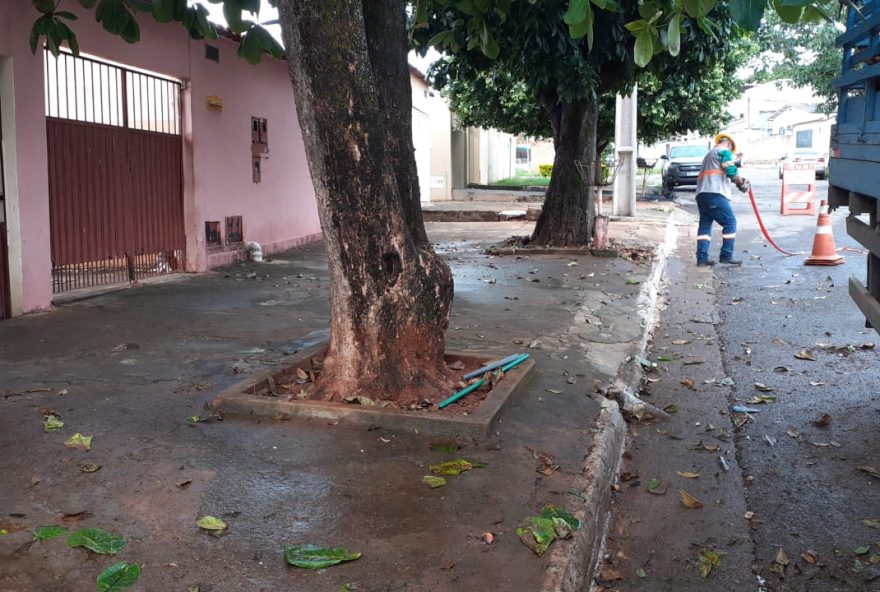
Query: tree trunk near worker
column 390, row 294
column 568, row 213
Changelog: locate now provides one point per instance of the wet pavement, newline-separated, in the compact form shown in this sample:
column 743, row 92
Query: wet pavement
column 129, row 368
column 792, row 484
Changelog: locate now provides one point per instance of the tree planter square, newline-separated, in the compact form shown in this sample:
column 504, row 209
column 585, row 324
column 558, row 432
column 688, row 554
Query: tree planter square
column 248, row 397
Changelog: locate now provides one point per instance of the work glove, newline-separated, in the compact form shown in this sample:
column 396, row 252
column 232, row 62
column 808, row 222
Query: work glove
column 743, row 184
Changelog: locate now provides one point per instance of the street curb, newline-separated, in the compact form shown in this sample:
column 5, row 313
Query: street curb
column 572, row 565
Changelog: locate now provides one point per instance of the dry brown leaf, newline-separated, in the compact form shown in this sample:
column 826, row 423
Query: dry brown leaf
column 782, row 557
column 777, row 341
column 688, row 382
column 689, row 501
column 805, row 354
column 680, row 342
column 809, row 557
column 823, row 421
column 610, row 575
column 688, row 475
column 870, row 470
column 302, row 374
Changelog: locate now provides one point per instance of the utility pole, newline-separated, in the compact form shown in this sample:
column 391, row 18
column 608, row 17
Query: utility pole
column 626, row 141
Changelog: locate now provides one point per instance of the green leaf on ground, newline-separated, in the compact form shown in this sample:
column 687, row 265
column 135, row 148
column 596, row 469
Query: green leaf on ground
column 314, row 557
column 118, row 576
column 89, row 468
column 79, row 442
column 96, row 540
column 47, row 533
column 211, row 523
column 641, row 573
column 759, row 399
column 665, row 358
column 433, row 482
column 446, row 449
column 708, row 560
column 863, row 550
column 52, row 423
column 537, row 533
column 455, row 466
column 671, row 408
column 655, row 486
column 555, row 512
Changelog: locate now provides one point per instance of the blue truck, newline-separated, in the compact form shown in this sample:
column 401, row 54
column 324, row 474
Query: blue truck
column 854, row 179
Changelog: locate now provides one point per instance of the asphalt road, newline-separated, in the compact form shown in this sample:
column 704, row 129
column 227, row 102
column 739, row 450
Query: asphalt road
column 793, row 484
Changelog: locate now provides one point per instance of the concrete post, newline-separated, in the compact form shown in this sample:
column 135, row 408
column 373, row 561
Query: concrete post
column 626, row 141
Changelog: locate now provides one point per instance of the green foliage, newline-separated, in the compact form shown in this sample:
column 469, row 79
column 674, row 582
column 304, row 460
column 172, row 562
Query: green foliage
column 96, row 540
column 118, row 576
column 314, row 557
column 118, row 17
column 804, row 53
column 47, row 533
column 546, row 170
column 676, row 93
column 690, row 94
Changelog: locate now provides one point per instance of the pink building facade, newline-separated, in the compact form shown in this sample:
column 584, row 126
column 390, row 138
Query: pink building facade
column 238, row 184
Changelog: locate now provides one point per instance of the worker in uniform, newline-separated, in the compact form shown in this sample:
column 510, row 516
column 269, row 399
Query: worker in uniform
column 718, row 175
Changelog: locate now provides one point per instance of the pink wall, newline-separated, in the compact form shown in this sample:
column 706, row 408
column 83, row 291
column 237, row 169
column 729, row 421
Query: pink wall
column 278, row 213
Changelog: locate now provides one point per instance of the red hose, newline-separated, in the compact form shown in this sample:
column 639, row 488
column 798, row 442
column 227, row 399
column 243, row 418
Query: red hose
column 764, row 229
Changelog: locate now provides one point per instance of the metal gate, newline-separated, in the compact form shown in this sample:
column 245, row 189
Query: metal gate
column 115, row 173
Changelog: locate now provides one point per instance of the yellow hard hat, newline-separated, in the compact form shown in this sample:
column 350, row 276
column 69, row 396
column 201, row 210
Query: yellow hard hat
column 720, row 137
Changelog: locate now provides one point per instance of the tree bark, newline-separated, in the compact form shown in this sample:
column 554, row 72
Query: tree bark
column 390, row 294
column 569, row 211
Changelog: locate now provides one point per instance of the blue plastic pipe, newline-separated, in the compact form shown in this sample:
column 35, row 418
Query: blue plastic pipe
column 472, row 387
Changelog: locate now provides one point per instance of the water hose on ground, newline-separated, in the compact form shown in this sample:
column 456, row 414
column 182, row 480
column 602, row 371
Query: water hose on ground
column 764, row 229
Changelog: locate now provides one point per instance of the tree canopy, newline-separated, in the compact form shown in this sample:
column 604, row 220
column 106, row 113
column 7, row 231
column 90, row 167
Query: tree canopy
column 804, row 53
column 684, row 94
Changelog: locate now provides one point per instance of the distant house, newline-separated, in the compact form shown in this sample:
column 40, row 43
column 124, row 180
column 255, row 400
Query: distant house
column 814, row 134
column 481, row 156
column 133, row 161
column 450, row 156
column 766, row 115
column 431, row 131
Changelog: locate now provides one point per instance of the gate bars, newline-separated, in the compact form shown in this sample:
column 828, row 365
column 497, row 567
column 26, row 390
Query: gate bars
column 115, row 172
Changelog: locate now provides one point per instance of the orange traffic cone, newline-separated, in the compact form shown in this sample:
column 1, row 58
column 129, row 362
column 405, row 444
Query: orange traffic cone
column 824, row 251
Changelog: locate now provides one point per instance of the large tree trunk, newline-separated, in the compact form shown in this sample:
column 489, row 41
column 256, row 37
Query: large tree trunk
column 568, row 213
column 390, row 294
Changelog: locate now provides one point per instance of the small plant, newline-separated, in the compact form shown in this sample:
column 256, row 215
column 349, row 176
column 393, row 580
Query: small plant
column 546, row 170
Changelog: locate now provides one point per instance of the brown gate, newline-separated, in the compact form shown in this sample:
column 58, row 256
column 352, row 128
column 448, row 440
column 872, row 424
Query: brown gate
column 5, row 302
column 115, row 173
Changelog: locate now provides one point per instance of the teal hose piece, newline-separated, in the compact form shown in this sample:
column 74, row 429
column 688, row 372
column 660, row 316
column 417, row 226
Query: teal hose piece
column 472, row 387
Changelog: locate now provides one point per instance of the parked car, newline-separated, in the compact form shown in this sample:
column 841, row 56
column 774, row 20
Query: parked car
column 806, row 156
column 682, row 165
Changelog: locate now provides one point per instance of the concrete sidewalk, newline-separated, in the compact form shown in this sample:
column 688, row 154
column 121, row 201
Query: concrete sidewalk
column 130, row 367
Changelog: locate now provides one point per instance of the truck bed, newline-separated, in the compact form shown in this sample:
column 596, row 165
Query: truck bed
column 855, row 141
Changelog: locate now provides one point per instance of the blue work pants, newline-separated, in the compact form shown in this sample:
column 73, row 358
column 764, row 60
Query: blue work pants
column 714, row 207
